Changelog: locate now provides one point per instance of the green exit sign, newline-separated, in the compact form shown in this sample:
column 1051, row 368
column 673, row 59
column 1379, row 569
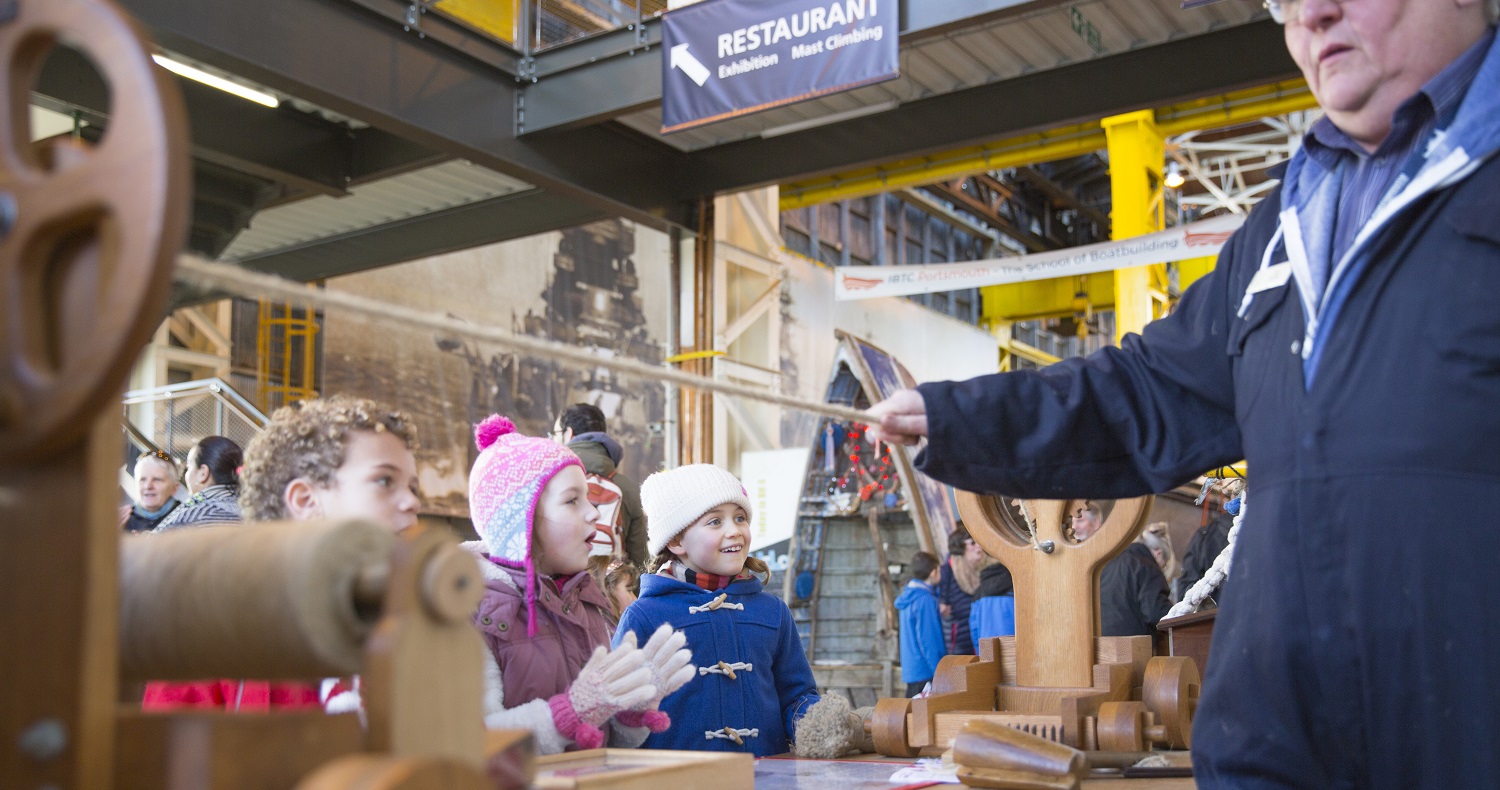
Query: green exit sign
column 1086, row 30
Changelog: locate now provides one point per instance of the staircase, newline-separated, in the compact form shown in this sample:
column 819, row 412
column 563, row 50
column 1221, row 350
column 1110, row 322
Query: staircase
column 173, row 418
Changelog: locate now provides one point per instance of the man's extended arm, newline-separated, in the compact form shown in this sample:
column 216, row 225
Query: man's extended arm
column 1122, row 422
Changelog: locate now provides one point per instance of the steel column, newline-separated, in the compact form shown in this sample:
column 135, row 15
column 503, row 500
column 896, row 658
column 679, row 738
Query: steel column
column 1136, row 156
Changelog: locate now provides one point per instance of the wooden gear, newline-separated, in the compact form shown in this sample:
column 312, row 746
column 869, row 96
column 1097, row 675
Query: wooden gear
column 88, row 236
column 1055, row 679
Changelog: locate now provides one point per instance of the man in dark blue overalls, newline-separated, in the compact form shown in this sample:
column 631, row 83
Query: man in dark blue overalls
column 1347, row 346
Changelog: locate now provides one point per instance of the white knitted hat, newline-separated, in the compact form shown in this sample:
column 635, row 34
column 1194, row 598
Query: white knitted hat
column 674, row 499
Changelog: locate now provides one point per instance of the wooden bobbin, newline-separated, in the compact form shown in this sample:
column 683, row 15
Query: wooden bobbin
column 1125, row 726
column 1165, row 717
column 990, row 754
column 278, row 600
column 1171, row 692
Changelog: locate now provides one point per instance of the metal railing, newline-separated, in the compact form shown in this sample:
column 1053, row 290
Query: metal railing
column 549, row 23
column 174, row 417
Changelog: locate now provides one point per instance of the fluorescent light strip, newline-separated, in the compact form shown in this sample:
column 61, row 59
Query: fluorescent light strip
column 199, row 75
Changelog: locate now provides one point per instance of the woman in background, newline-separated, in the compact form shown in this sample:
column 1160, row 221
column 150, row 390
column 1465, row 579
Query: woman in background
column 958, row 587
column 213, row 479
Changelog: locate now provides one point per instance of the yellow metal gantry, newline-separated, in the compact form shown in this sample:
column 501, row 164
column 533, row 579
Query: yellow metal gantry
column 1215, row 112
column 1135, row 145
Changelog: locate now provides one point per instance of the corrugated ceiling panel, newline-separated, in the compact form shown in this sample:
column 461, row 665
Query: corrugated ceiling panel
column 419, row 192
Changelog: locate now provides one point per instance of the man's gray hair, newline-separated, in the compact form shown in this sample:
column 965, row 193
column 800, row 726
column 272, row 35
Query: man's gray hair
column 1492, row 11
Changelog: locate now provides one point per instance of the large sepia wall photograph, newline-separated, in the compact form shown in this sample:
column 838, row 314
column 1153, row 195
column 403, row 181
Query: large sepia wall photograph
column 603, row 286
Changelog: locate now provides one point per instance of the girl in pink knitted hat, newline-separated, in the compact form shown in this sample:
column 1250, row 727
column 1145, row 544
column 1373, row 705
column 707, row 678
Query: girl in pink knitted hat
column 543, row 617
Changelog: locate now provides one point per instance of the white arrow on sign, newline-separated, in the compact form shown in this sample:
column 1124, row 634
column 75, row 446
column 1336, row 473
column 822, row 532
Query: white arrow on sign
column 682, row 59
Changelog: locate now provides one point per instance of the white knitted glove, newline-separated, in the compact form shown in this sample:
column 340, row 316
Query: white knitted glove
column 611, row 681
column 671, row 667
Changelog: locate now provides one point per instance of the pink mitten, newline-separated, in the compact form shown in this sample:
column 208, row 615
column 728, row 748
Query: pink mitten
column 611, row 681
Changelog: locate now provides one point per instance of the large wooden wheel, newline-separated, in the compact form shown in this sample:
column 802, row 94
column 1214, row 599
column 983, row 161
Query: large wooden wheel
column 1171, row 692
column 888, row 726
column 88, row 233
column 1165, row 716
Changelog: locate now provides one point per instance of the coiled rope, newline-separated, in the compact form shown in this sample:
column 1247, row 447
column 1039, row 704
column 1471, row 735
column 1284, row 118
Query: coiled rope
column 1216, row 574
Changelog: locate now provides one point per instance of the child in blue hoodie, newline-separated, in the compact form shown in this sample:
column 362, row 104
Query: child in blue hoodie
column 754, row 690
column 921, row 626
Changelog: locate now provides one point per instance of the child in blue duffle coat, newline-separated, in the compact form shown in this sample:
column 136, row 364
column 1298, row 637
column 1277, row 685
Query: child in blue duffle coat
column 754, row 692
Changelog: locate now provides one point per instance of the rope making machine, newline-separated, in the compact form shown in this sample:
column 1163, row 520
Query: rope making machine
column 1039, row 708
column 89, row 234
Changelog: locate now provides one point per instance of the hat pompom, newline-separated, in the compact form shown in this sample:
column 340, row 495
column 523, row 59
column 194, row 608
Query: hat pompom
column 493, row 427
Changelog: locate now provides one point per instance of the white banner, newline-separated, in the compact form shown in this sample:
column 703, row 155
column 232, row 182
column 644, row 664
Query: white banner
column 1197, row 240
column 773, row 482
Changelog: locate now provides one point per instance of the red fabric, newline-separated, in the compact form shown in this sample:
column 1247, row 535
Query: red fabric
column 708, row 581
column 231, row 695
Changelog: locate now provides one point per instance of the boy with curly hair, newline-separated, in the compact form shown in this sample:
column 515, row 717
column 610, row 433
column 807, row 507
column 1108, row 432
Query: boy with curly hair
column 338, row 457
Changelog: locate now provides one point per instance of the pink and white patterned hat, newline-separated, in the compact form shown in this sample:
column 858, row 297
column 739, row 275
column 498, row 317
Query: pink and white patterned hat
column 504, row 486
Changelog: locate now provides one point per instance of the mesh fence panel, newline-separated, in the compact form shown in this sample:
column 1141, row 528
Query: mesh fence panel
column 560, row 21
column 175, row 421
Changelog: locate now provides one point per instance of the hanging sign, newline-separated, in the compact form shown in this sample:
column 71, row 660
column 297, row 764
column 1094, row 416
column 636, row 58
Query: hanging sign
column 723, row 58
column 1197, row 240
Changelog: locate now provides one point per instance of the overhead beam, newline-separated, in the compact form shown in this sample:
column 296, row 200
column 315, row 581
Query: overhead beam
column 1051, row 298
column 574, row 88
column 1042, row 116
column 943, row 213
column 619, row 72
column 952, row 190
column 337, row 54
column 363, row 65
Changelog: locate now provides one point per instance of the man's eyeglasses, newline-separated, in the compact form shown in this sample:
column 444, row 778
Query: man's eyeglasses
column 1282, row 10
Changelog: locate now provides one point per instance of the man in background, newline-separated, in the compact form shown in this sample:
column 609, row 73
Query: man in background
column 582, row 429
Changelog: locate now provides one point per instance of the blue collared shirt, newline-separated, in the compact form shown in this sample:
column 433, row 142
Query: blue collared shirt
column 1365, row 177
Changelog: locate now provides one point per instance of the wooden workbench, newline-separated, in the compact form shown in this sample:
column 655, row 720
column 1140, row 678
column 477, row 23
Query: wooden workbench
column 865, row 780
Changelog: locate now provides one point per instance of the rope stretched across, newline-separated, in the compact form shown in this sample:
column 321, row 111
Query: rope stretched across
column 242, row 282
